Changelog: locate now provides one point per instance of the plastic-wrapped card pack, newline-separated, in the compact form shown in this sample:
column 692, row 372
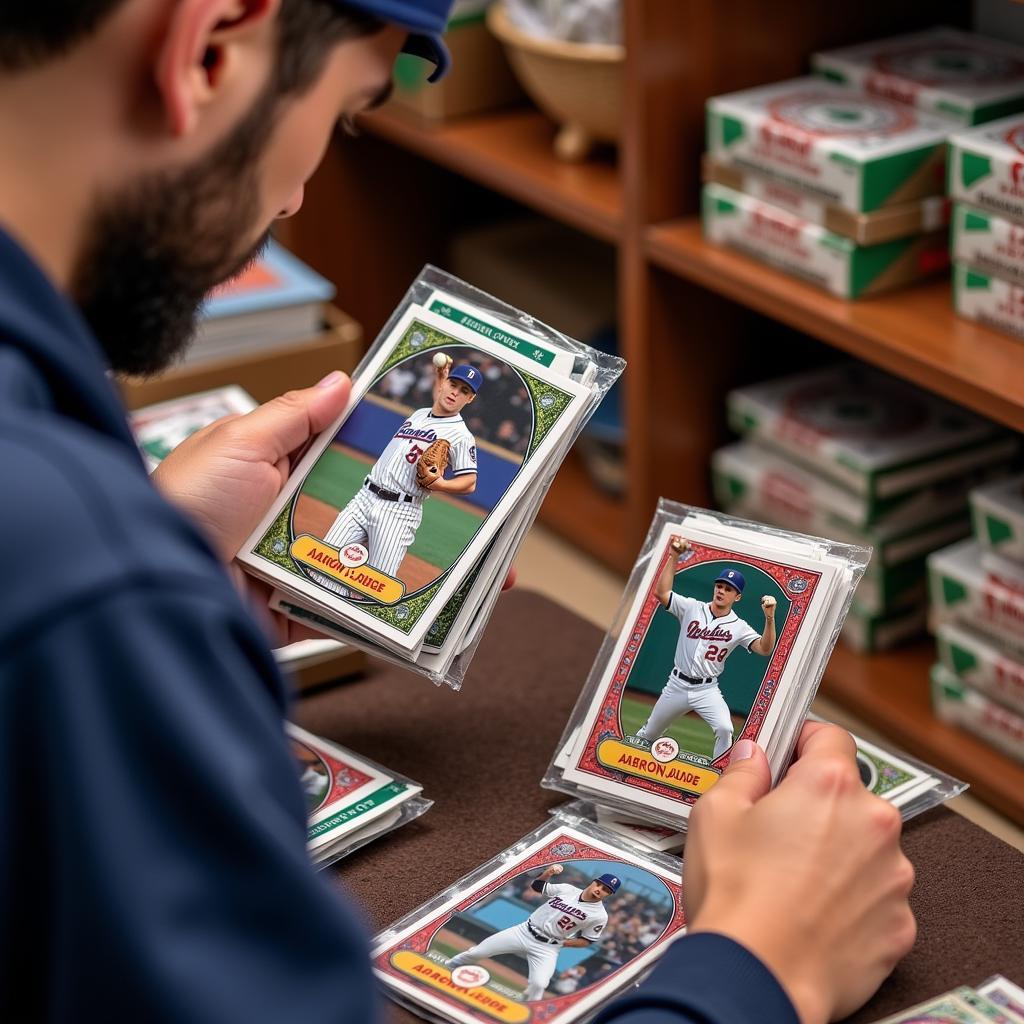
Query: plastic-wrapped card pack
column 397, row 527
column 730, row 620
column 549, row 930
column 350, row 800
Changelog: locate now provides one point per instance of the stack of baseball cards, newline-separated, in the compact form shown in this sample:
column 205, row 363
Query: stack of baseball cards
column 548, row 930
column 851, row 453
column 350, row 800
column 365, row 548
column 833, row 185
column 723, row 634
column 988, row 224
column 997, row 1000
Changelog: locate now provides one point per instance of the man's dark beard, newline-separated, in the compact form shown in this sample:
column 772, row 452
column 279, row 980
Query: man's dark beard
column 153, row 252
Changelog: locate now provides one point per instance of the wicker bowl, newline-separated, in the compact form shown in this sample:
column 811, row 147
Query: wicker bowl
column 579, row 85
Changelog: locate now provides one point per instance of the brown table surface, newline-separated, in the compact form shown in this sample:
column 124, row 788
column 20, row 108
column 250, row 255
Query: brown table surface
column 480, row 754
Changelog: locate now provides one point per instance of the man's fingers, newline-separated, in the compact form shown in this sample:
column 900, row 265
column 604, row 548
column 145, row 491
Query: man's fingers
column 748, row 777
column 821, row 738
column 280, row 426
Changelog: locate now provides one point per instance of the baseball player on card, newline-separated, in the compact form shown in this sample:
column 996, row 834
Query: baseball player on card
column 708, row 633
column 386, row 511
column 570, row 917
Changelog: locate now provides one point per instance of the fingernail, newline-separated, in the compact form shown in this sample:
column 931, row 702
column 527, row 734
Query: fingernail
column 331, row 379
column 741, row 750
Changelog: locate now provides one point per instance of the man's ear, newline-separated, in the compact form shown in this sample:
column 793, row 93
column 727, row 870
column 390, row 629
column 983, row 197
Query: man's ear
column 200, row 49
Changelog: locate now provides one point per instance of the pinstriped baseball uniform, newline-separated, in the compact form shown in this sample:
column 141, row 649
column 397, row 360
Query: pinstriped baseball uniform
column 387, row 525
column 540, row 938
column 704, row 644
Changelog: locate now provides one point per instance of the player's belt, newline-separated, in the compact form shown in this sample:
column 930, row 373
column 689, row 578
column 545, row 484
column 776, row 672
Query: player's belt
column 691, row 680
column 383, row 492
column 541, row 937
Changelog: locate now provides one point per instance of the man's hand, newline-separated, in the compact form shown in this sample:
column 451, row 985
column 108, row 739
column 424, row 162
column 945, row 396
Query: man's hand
column 555, row 869
column 809, row 877
column 679, row 544
column 225, row 476
column 768, row 605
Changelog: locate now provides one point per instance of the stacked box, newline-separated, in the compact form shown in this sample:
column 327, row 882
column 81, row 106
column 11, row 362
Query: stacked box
column 851, row 454
column 986, row 180
column 813, row 253
column 997, row 514
column 958, row 704
column 983, row 664
column 969, row 78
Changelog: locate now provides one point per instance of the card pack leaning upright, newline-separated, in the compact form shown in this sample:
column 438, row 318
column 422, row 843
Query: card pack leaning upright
column 397, row 527
column 547, row 930
column 723, row 633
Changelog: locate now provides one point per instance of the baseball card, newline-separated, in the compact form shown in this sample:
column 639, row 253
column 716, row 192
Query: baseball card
column 345, row 794
column 723, row 639
column 945, row 1009
column 160, row 428
column 447, row 430
column 889, row 776
column 1004, row 993
column 987, row 1007
column 546, row 931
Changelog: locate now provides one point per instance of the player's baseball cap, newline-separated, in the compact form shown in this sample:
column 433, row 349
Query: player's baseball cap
column 733, row 577
column 610, row 881
column 426, row 21
column 468, row 375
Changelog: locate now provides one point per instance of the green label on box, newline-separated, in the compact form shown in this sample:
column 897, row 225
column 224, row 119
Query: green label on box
column 523, row 346
column 973, row 168
column 962, row 659
column 998, row 530
column 953, row 591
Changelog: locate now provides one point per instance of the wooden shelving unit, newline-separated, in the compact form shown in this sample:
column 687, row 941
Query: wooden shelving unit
column 694, row 320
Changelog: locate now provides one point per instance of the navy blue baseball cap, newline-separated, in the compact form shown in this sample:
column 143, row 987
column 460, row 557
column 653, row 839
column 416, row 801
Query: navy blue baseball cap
column 610, row 881
column 426, row 21
column 733, row 577
column 468, row 375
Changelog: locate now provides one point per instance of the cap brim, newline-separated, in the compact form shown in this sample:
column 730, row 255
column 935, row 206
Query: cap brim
column 430, row 47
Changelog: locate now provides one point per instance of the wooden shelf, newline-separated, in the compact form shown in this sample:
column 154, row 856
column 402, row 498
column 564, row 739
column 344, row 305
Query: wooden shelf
column 890, row 692
column 590, row 518
column 912, row 333
column 510, row 151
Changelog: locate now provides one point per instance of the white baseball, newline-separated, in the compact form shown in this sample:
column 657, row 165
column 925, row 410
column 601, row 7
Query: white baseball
column 557, row 869
column 440, row 360
column 767, row 602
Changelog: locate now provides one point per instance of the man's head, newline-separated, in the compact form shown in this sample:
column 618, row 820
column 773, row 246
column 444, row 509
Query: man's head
column 200, row 122
column 454, row 392
column 601, row 888
column 728, row 589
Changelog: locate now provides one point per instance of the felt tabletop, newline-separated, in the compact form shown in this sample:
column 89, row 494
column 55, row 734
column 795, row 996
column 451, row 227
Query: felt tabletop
column 480, row 754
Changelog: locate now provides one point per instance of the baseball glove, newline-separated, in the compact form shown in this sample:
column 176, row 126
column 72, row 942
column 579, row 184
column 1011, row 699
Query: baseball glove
column 432, row 463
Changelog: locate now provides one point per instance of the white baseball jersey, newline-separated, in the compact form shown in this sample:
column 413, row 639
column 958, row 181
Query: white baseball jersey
column 395, row 470
column 704, row 641
column 565, row 915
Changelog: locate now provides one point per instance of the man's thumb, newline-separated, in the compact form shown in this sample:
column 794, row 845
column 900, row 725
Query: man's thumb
column 747, row 776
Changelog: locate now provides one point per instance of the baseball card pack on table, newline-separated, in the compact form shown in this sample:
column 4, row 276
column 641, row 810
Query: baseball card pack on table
column 884, row 225
column 959, row 704
column 985, row 242
column 959, row 75
column 845, row 147
column 396, row 529
column 988, row 300
column 964, row 1005
column 575, row 912
column 997, row 512
column 973, row 588
column 1006, row 995
column 160, row 428
column 985, row 167
column 814, row 254
column 873, row 434
column 350, row 800
column 982, row 664
column 683, row 641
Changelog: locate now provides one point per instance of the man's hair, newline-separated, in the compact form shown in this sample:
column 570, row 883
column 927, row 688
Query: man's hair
column 36, row 31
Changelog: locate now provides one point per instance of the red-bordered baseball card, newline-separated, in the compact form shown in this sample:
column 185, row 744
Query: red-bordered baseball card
column 724, row 635
column 544, row 932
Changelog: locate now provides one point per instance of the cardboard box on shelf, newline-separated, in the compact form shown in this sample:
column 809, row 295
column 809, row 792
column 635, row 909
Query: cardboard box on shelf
column 266, row 374
column 989, row 243
column 480, row 78
column 988, row 300
column 959, row 704
column 985, row 167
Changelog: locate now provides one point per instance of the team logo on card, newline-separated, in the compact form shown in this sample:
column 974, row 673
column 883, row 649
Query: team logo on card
column 797, row 585
column 470, row 976
column 353, row 555
column 664, row 750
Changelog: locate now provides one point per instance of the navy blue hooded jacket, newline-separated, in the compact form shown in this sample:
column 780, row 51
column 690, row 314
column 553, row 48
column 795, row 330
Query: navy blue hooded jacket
column 153, row 862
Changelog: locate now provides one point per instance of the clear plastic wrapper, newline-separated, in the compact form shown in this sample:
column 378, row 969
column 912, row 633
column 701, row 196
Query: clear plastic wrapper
column 350, row 800
column 677, row 646
column 580, row 913
column 366, row 546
